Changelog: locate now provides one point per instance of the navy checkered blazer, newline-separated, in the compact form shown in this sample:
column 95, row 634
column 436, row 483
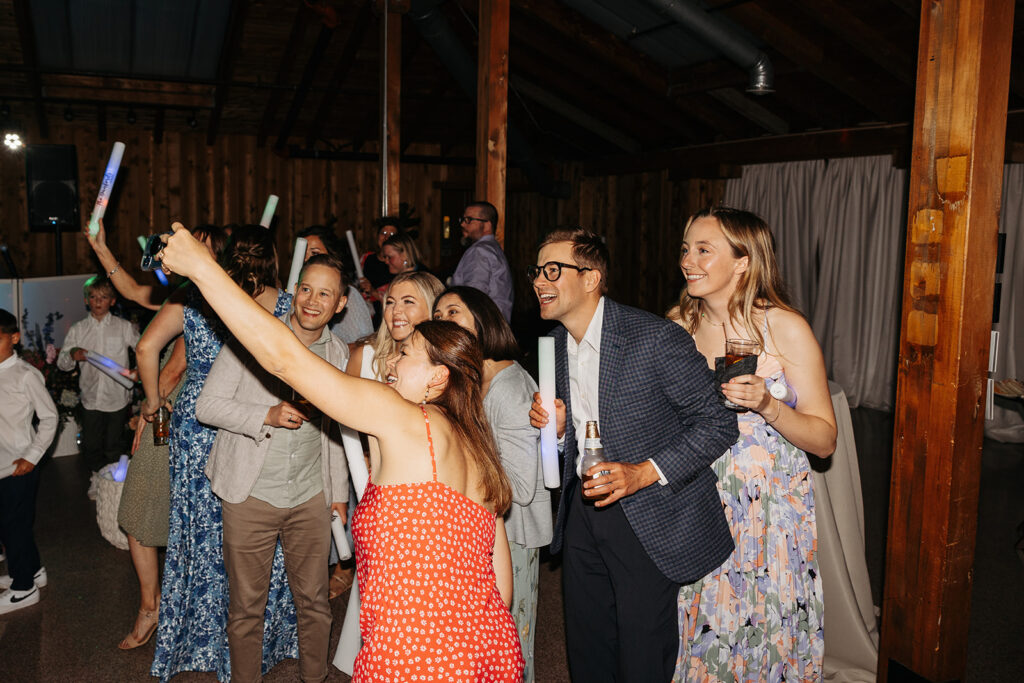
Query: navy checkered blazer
column 657, row 400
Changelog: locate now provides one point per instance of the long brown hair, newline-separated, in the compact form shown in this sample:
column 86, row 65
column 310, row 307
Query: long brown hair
column 759, row 288
column 455, row 348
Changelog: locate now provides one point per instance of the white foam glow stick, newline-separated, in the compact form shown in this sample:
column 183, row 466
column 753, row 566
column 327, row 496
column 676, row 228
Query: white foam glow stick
column 106, row 185
column 268, row 211
column 109, row 368
column 357, row 471
column 298, row 258
column 549, row 433
column 355, row 254
column 350, row 640
column 338, row 531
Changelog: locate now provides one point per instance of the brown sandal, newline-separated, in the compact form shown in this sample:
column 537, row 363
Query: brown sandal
column 341, row 581
column 145, row 615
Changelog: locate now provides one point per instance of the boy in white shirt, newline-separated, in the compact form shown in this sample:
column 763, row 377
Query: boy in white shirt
column 105, row 403
column 22, row 394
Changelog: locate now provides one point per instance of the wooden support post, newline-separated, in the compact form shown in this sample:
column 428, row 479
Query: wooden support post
column 390, row 107
column 492, row 108
column 963, row 75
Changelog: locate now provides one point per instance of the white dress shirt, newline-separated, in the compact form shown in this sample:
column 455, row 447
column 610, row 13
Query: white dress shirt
column 584, row 383
column 22, row 393
column 109, row 337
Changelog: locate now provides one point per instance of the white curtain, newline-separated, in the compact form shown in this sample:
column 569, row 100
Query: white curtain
column 839, row 233
column 1008, row 424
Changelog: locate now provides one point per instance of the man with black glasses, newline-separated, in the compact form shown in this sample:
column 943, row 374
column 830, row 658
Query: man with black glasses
column 484, row 265
column 648, row 518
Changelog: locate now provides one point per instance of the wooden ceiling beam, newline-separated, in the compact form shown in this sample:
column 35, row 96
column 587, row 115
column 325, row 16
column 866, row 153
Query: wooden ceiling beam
column 228, row 50
column 356, row 38
column 291, row 48
column 863, row 37
column 536, row 49
column 795, row 147
column 720, row 73
column 323, row 40
column 764, row 21
column 600, row 42
column 27, row 38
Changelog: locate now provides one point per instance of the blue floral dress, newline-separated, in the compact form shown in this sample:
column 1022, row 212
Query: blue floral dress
column 758, row 617
column 192, row 633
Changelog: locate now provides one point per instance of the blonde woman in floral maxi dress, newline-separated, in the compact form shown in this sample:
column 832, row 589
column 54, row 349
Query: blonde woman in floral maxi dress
column 758, row 617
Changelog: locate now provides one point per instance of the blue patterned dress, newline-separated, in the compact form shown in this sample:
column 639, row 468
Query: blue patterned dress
column 192, row 634
column 759, row 616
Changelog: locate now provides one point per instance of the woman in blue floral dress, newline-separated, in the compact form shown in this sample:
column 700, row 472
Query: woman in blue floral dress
column 192, row 632
column 758, row 617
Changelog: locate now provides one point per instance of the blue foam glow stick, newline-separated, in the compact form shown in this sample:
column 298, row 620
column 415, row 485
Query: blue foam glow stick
column 110, row 368
column 106, row 185
column 121, row 470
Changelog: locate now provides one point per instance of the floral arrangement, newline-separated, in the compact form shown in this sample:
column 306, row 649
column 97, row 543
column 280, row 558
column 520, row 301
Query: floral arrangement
column 38, row 350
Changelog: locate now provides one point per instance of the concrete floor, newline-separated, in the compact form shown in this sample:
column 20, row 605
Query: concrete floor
column 91, row 598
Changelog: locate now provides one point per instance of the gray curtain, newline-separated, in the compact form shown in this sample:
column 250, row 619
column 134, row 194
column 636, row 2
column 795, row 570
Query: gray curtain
column 839, row 233
column 1008, row 422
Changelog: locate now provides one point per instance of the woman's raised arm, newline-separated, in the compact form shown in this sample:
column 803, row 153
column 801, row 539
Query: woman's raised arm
column 365, row 405
column 126, row 285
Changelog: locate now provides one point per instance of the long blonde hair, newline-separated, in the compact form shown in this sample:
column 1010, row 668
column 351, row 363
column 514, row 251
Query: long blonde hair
column 760, row 287
column 384, row 346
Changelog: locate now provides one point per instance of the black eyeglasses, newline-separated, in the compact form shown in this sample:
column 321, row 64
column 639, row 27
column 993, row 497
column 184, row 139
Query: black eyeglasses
column 469, row 219
column 552, row 270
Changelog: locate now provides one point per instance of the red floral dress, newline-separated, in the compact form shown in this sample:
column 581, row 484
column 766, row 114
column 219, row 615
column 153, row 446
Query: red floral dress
column 430, row 608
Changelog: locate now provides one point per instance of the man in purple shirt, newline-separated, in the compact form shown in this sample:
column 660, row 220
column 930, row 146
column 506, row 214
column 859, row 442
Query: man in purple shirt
column 484, row 265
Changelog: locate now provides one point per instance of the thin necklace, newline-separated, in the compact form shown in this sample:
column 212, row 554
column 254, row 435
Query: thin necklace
column 710, row 321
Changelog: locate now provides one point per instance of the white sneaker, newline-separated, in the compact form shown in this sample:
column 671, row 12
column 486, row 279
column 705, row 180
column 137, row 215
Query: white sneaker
column 12, row 600
column 39, row 579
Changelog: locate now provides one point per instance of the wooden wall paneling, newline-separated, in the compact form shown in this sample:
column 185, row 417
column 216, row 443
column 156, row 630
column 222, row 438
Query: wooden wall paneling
column 172, row 160
column 245, row 212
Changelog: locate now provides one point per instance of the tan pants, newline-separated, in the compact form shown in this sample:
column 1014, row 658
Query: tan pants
column 251, row 530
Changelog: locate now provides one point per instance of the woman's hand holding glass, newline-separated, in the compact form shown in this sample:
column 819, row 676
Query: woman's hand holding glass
column 748, row 391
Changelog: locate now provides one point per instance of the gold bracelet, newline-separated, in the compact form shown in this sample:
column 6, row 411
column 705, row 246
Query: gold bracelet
column 778, row 411
column 116, row 268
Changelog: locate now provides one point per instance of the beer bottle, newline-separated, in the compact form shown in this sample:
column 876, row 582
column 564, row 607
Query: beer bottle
column 593, row 453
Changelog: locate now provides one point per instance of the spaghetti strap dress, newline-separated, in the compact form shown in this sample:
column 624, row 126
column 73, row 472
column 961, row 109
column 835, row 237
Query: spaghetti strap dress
column 759, row 616
column 430, row 606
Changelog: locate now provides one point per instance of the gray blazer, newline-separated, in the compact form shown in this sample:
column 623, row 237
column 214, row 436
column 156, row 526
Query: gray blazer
column 235, row 399
column 507, row 406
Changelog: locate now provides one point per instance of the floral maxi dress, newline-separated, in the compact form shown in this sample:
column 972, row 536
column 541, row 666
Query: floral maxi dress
column 759, row 616
column 192, row 633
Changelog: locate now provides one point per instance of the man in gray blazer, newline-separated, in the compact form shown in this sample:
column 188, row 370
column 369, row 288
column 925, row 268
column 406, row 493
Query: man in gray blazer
column 649, row 518
column 279, row 468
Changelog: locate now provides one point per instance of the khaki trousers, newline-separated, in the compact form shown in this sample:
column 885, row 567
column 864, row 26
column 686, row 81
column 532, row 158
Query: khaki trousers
column 251, row 530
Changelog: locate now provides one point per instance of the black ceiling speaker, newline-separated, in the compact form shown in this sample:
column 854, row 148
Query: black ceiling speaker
column 51, row 179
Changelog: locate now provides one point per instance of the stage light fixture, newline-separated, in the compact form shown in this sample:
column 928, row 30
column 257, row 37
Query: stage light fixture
column 13, row 141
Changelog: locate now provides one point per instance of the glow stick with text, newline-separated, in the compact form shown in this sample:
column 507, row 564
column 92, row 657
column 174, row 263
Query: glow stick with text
column 158, row 272
column 298, row 258
column 106, row 185
column 357, row 471
column 355, row 254
column 110, row 368
column 269, row 210
column 338, row 531
column 549, row 433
